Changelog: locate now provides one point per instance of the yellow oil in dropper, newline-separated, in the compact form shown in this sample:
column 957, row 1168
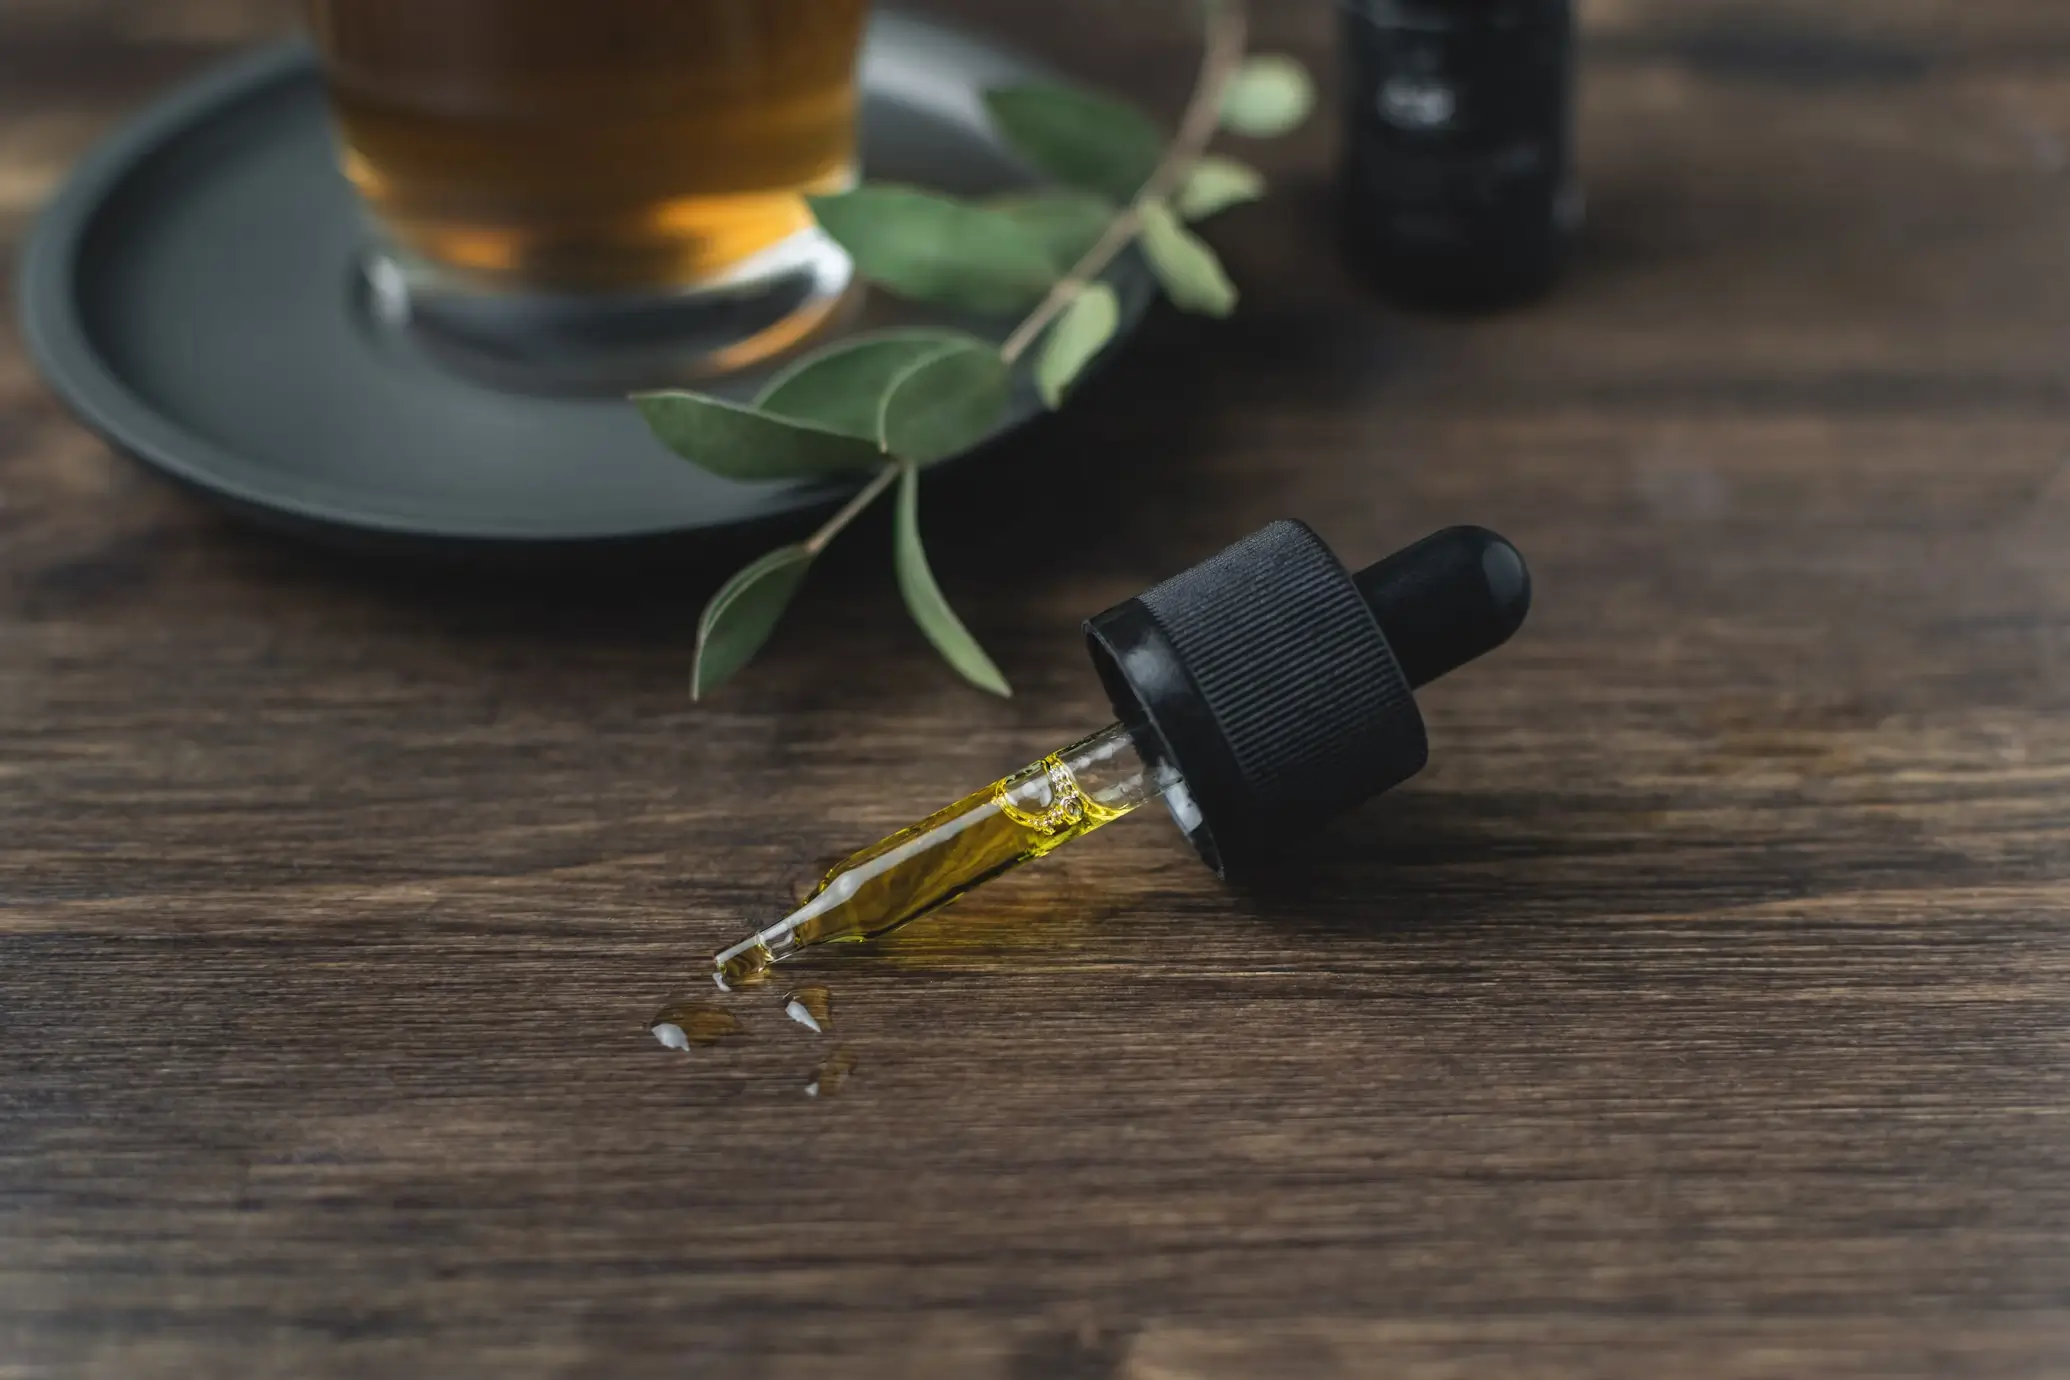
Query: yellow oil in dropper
column 1034, row 812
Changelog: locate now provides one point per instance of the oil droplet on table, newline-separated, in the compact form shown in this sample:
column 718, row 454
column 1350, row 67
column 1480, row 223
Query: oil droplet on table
column 679, row 1025
column 832, row 1074
column 811, row 1007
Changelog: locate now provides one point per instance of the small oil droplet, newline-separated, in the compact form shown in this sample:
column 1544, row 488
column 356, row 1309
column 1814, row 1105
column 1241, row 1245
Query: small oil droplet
column 811, row 1007
column 832, row 1074
column 679, row 1025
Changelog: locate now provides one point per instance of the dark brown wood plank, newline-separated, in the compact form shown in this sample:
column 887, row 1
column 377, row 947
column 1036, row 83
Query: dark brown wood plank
column 1700, row 1013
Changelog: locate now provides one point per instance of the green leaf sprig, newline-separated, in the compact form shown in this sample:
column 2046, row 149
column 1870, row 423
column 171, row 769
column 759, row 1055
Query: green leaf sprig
column 889, row 404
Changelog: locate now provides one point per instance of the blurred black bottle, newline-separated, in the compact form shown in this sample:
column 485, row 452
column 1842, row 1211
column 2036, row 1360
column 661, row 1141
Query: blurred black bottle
column 1458, row 183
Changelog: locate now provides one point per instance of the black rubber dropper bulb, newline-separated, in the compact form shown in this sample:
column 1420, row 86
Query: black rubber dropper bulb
column 1451, row 598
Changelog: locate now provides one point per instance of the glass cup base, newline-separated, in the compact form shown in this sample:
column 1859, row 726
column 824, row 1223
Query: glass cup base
column 612, row 344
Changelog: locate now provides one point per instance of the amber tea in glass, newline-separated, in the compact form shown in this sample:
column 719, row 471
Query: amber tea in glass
column 587, row 157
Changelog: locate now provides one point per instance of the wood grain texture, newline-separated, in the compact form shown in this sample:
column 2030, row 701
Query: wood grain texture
column 1702, row 1012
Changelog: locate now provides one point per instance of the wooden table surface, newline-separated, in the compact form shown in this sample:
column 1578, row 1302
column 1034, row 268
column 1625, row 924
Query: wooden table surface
column 1701, row 1012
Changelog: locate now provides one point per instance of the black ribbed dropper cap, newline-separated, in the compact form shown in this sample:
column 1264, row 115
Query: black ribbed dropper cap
column 1278, row 683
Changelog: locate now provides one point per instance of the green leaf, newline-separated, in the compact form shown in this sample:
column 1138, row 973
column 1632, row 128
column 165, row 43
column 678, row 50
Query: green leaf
column 937, row 249
column 925, row 602
column 1080, row 137
column 1076, row 341
column 842, row 387
column 742, row 615
column 1189, row 270
column 1068, row 223
column 1271, row 95
column 944, row 404
column 741, row 443
column 1216, row 184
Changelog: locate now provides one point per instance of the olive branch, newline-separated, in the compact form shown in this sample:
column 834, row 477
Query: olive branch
column 891, row 403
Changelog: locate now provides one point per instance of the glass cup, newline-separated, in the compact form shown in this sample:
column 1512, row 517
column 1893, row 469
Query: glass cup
column 598, row 192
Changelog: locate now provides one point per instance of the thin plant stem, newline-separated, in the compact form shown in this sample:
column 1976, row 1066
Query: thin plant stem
column 853, row 509
column 1228, row 38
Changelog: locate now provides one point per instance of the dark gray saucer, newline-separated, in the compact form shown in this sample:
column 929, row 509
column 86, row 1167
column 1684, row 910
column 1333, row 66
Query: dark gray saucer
column 194, row 295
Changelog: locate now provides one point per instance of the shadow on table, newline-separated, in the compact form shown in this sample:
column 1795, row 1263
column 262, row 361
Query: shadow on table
column 1427, row 860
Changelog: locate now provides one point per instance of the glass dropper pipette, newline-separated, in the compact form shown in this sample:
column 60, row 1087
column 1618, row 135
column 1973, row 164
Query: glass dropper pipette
column 1261, row 692
column 922, row 868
